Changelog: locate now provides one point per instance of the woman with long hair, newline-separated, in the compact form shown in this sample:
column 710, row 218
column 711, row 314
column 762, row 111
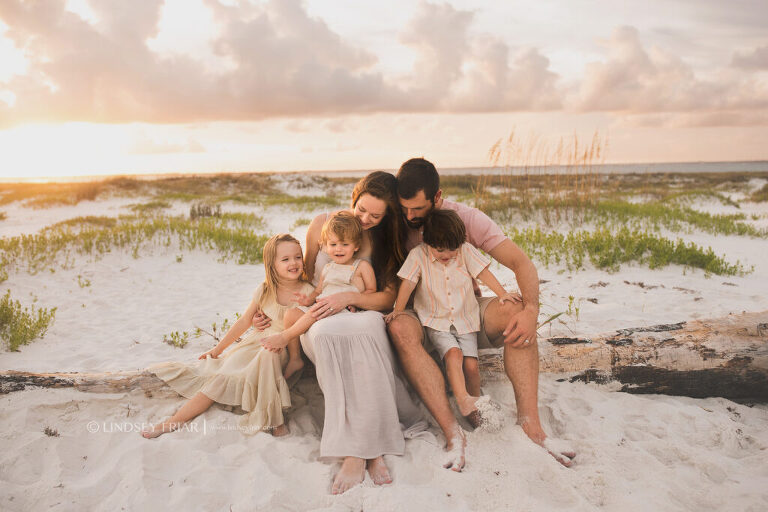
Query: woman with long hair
column 365, row 397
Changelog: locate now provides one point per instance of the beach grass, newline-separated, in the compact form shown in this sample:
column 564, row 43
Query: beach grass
column 235, row 236
column 20, row 325
column 608, row 250
column 760, row 195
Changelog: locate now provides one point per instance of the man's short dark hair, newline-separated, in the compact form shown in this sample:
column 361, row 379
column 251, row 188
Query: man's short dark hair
column 444, row 229
column 417, row 174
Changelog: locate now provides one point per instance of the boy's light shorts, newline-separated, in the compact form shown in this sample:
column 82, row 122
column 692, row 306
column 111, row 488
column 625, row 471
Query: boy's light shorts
column 444, row 341
column 482, row 339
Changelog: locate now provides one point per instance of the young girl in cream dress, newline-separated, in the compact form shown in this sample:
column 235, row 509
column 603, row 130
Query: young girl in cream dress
column 341, row 237
column 247, row 375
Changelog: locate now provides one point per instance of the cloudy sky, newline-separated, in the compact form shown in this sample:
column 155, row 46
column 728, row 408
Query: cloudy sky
column 109, row 86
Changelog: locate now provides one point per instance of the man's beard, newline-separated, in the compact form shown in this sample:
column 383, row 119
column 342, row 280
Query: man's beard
column 416, row 223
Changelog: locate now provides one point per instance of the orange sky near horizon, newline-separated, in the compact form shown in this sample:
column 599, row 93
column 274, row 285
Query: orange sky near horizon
column 176, row 86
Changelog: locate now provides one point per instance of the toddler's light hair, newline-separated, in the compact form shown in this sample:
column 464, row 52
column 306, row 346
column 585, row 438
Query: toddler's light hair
column 345, row 226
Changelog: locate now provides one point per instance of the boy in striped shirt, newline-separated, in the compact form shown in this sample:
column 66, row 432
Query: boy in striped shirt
column 443, row 267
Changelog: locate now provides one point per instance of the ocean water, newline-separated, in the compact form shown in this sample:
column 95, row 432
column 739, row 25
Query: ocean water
column 647, row 168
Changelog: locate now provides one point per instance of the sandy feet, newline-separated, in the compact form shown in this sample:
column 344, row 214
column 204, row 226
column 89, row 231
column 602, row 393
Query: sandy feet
column 379, row 471
column 280, row 430
column 455, row 448
column 352, row 472
column 293, row 366
column 158, row 430
column 559, row 449
column 482, row 412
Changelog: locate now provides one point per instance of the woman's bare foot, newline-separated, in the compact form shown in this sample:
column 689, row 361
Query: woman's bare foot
column 352, row 472
column 280, row 430
column 158, row 430
column 557, row 448
column 379, row 471
column 292, row 367
column 455, row 446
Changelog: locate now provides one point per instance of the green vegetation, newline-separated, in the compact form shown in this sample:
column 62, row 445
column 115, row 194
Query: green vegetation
column 300, row 202
column 150, row 207
column 177, row 339
column 19, row 326
column 232, row 235
column 301, row 221
column 760, row 196
column 608, row 251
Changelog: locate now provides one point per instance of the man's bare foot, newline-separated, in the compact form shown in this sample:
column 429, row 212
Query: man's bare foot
column 292, row 367
column 352, row 472
column 379, row 471
column 557, row 448
column 455, row 447
column 280, row 430
column 158, row 430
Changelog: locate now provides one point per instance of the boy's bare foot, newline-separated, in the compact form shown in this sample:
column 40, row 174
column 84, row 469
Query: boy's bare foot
column 352, row 472
column 292, row 367
column 158, row 430
column 557, row 448
column 280, row 430
column 455, row 446
column 468, row 409
column 379, row 471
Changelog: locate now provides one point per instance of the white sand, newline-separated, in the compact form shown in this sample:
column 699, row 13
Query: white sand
column 634, row 452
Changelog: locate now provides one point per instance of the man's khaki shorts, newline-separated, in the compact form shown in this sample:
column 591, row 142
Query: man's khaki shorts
column 482, row 339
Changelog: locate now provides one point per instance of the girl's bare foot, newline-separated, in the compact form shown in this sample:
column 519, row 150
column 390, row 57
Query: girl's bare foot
column 280, row 430
column 352, row 472
column 292, row 367
column 468, row 409
column 158, row 430
column 379, row 471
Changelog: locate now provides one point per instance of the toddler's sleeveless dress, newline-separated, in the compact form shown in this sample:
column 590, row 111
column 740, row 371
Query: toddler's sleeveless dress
column 244, row 375
column 338, row 278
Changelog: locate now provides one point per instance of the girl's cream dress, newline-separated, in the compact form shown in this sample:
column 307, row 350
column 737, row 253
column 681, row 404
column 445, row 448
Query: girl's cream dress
column 245, row 375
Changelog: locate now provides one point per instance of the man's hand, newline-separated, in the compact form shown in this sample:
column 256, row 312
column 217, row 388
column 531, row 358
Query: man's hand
column 521, row 330
column 260, row 321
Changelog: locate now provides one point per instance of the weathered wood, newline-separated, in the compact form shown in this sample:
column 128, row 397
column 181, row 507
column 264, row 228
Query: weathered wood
column 725, row 357
column 115, row 382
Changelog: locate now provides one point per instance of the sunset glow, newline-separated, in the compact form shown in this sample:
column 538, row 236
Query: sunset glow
column 209, row 86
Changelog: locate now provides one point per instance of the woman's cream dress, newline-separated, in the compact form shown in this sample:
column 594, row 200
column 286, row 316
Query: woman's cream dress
column 245, row 375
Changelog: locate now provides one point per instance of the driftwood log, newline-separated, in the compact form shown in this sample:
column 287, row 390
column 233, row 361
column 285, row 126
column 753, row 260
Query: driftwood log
column 725, row 357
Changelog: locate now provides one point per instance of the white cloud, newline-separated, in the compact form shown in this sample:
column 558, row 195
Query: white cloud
column 755, row 59
column 634, row 80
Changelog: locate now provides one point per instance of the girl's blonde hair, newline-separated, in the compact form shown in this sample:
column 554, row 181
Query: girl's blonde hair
column 345, row 226
column 271, row 281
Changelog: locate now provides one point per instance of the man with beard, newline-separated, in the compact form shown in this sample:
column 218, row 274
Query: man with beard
column 511, row 325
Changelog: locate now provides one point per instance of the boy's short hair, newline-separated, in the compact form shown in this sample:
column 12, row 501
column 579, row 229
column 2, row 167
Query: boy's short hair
column 444, row 229
column 345, row 226
column 417, row 174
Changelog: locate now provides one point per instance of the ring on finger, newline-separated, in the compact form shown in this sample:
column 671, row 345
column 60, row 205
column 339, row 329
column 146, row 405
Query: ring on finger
column 526, row 342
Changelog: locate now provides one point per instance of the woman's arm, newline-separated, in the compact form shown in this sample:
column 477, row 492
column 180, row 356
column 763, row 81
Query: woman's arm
column 365, row 270
column 313, row 245
column 234, row 332
column 375, row 301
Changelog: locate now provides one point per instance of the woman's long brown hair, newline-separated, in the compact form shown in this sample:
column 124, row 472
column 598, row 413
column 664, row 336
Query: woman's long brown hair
column 388, row 237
